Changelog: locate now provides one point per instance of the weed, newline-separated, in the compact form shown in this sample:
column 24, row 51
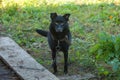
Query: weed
column 107, row 50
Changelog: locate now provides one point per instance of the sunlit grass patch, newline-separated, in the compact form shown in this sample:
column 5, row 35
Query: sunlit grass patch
column 88, row 2
column 35, row 3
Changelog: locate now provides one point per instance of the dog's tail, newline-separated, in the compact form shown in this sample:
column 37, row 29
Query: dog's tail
column 42, row 32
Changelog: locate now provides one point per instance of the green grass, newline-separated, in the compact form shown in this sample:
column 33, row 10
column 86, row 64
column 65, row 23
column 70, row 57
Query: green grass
column 19, row 20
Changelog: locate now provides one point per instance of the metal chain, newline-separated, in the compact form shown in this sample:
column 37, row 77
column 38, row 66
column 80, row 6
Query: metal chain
column 58, row 46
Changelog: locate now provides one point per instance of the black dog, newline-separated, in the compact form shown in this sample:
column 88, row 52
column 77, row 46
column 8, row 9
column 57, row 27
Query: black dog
column 59, row 37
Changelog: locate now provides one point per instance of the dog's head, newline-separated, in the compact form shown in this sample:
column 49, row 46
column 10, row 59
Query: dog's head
column 60, row 22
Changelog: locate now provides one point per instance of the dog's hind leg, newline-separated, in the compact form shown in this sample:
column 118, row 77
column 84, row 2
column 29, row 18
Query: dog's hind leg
column 66, row 62
column 54, row 61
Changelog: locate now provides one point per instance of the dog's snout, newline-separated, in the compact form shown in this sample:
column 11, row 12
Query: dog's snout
column 59, row 28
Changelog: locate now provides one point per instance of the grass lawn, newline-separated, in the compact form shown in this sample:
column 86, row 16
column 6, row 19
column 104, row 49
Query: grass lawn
column 20, row 18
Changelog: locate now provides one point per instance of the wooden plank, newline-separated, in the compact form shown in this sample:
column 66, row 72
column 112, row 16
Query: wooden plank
column 21, row 62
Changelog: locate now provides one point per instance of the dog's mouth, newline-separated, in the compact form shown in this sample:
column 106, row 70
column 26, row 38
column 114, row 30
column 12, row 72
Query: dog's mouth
column 59, row 30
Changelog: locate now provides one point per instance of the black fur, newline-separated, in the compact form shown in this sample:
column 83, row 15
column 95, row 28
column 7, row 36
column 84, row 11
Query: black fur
column 59, row 37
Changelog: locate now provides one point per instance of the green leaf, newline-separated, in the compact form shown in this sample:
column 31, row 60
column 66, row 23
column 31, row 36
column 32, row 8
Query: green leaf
column 102, row 37
column 113, row 38
column 115, row 64
column 117, row 46
column 100, row 51
column 94, row 48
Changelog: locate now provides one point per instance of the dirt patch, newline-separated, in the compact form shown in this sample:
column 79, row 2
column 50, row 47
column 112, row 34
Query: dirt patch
column 76, row 71
column 78, row 77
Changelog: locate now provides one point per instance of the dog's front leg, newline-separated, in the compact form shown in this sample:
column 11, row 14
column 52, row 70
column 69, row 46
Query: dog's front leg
column 54, row 61
column 66, row 62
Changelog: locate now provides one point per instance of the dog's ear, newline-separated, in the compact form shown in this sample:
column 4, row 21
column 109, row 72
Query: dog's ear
column 53, row 15
column 66, row 16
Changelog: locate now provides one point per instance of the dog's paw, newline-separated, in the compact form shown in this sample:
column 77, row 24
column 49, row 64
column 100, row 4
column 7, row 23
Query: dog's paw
column 65, row 72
